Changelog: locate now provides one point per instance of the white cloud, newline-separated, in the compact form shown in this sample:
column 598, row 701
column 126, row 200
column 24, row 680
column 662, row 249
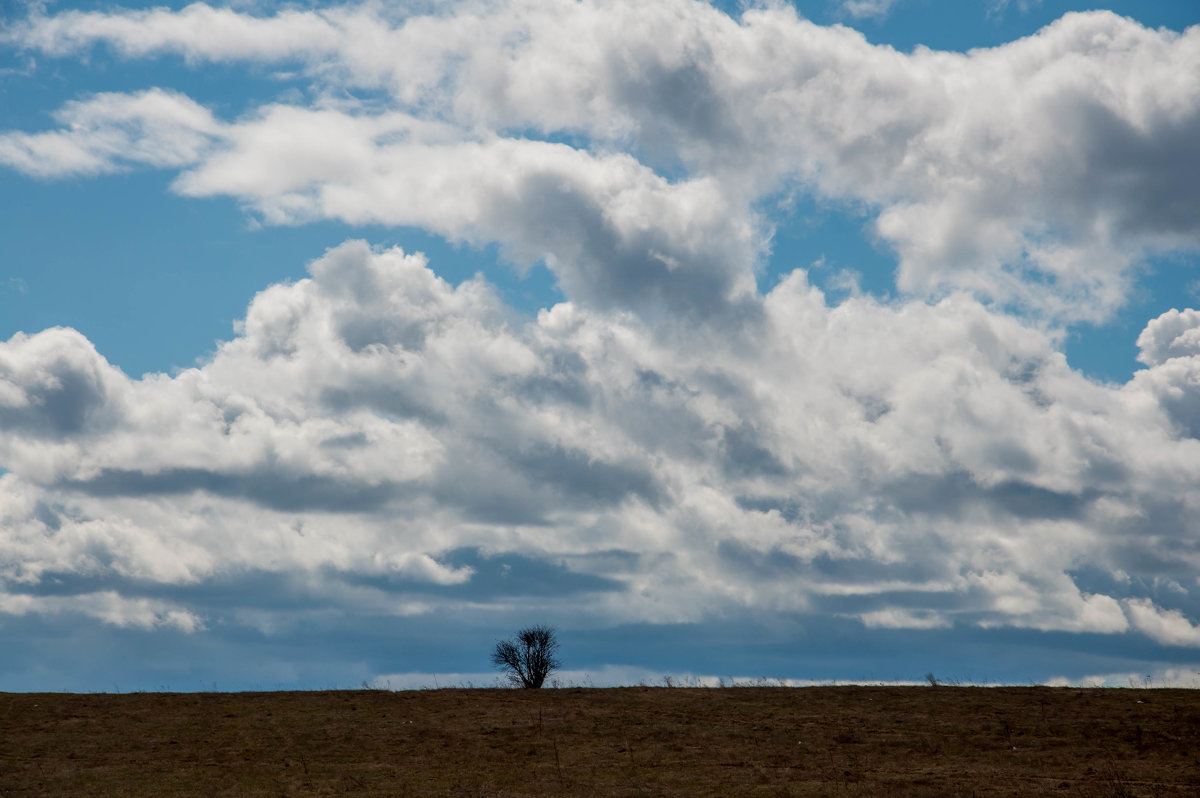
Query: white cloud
column 1173, row 334
column 612, row 231
column 1170, row 345
column 372, row 420
column 110, row 132
column 107, row 606
column 54, row 384
column 903, row 619
column 1168, row 627
column 867, row 8
column 198, row 30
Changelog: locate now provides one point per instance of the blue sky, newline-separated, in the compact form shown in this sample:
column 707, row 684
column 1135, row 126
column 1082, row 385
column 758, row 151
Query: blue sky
column 834, row 341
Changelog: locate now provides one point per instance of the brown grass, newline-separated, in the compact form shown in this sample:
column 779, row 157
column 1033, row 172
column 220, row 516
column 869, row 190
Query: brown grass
column 893, row 741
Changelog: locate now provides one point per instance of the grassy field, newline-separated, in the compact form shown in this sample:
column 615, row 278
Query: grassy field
column 892, row 741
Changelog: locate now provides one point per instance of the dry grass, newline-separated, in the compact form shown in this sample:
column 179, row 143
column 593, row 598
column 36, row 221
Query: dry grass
column 906, row 741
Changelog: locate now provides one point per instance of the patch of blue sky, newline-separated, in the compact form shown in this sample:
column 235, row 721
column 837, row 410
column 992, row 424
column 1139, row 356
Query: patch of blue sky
column 949, row 25
column 1109, row 352
column 833, row 242
column 119, row 255
column 961, row 25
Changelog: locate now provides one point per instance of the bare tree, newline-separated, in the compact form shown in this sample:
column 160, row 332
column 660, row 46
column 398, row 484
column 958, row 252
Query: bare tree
column 529, row 658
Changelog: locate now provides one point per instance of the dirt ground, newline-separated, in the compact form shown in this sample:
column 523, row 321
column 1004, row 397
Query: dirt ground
column 891, row 741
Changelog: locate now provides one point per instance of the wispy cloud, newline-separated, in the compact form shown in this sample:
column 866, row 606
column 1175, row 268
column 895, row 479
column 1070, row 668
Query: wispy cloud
column 867, row 8
column 999, row 7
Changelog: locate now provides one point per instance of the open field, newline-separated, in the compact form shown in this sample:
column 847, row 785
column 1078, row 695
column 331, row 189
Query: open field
column 606, row 742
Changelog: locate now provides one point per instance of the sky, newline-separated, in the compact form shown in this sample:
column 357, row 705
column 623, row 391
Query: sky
column 844, row 340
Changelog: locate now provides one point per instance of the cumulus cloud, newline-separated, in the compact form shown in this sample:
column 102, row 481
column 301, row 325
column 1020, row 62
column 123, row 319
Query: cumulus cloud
column 1170, row 345
column 1173, row 334
column 668, row 445
column 1166, row 626
column 372, row 420
column 54, row 384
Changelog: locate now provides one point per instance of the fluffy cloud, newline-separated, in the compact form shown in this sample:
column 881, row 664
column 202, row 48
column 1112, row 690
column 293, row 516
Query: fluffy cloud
column 911, row 465
column 1169, row 626
column 55, row 385
column 668, row 444
column 1170, row 345
column 1173, row 334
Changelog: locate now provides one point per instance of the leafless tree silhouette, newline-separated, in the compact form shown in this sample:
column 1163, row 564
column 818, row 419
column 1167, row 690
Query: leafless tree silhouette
column 529, row 658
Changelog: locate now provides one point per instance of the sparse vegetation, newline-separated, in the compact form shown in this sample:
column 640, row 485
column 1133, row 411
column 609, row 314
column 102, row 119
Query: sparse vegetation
column 771, row 741
column 529, row 658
